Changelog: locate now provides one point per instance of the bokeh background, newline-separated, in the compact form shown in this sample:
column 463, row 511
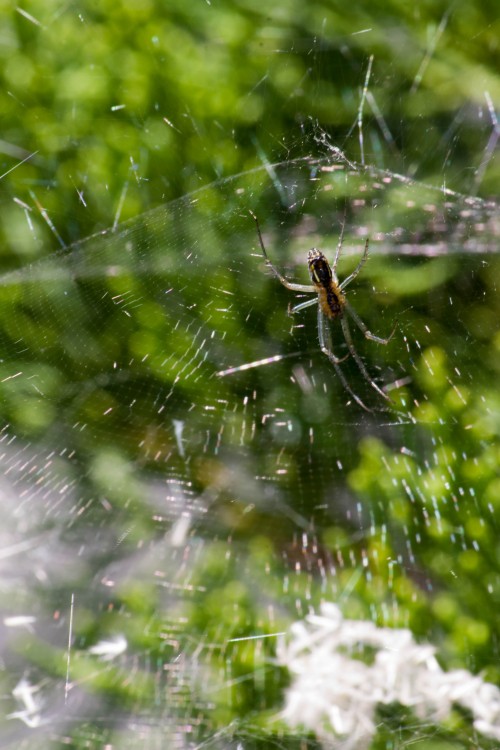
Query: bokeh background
column 161, row 521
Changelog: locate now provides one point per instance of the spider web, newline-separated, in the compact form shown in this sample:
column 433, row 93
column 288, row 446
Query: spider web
column 192, row 474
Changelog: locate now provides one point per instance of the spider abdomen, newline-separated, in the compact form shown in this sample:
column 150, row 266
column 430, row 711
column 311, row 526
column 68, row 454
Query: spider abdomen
column 332, row 301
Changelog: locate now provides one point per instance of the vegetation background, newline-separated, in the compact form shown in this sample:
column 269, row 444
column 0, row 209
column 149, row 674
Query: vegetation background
column 114, row 109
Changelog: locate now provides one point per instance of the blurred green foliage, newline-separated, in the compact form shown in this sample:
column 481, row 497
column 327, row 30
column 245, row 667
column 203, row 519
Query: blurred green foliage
column 110, row 109
column 164, row 98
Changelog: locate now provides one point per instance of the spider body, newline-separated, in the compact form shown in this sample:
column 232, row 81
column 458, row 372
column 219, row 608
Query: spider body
column 332, row 304
column 330, row 297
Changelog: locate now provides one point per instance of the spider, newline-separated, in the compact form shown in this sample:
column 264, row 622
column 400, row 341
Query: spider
column 332, row 304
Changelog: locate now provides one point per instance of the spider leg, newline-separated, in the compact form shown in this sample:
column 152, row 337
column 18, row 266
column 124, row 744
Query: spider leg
column 362, row 327
column 348, row 339
column 358, row 268
column 325, row 341
column 303, row 305
column 293, row 287
column 339, row 245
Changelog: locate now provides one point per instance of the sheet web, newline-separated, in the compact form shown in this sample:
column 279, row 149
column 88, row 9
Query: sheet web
column 188, row 476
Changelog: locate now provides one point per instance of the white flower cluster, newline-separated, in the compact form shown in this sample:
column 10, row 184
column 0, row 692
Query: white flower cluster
column 335, row 694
